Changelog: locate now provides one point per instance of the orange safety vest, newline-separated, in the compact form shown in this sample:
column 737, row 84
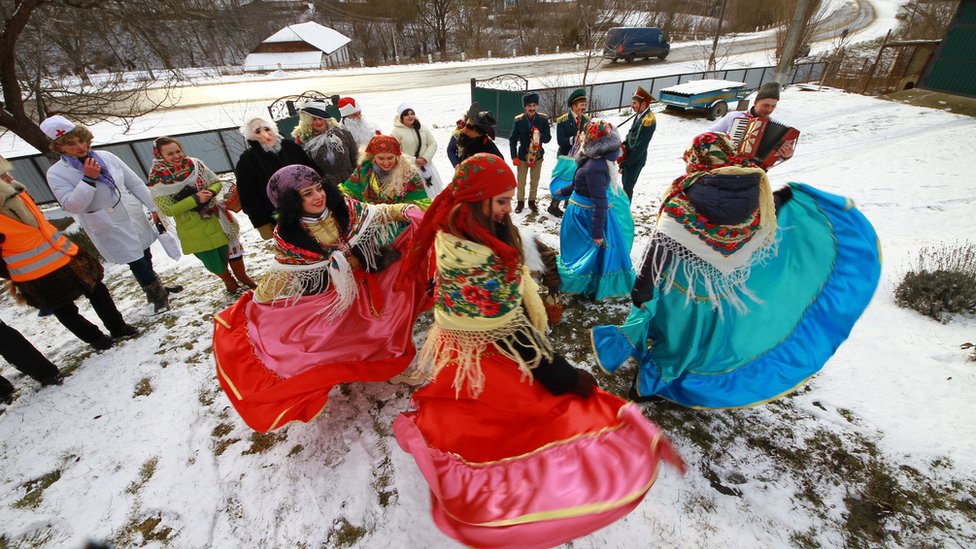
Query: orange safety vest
column 32, row 252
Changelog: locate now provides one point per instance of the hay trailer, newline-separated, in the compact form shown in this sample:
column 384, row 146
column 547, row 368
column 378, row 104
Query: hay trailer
column 709, row 96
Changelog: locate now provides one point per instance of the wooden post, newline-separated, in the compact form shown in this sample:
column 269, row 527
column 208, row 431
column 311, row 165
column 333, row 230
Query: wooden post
column 877, row 60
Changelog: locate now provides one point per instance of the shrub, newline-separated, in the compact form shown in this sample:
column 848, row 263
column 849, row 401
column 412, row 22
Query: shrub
column 942, row 282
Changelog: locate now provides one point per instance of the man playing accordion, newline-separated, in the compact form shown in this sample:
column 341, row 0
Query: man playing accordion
column 734, row 124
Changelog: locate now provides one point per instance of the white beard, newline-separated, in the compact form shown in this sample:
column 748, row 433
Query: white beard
column 362, row 130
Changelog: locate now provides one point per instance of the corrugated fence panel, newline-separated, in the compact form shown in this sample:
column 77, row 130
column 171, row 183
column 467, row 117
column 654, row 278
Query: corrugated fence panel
column 219, row 149
column 953, row 66
column 616, row 95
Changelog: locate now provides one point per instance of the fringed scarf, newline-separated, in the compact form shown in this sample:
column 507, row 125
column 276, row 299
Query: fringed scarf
column 300, row 271
column 478, row 309
column 719, row 258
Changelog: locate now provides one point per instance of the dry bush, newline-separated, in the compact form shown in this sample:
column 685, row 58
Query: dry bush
column 941, row 283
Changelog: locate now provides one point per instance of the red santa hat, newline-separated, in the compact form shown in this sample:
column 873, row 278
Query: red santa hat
column 348, row 106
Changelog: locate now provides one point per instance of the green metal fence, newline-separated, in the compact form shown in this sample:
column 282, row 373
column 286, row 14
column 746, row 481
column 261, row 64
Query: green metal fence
column 502, row 95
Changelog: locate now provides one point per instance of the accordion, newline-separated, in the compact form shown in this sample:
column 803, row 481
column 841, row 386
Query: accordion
column 764, row 142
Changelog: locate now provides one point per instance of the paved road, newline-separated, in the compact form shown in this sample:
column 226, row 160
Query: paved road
column 851, row 17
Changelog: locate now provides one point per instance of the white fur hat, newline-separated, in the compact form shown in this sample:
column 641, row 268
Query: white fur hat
column 404, row 107
column 5, row 166
column 255, row 121
column 56, row 126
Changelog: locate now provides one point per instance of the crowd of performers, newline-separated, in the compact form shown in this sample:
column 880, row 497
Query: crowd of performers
column 741, row 295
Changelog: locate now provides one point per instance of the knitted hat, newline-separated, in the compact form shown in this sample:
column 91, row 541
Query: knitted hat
column 711, row 150
column 531, row 97
column 577, row 95
column 56, row 126
column 404, row 107
column 5, row 166
column 478, row 178
column 641, row 93
column 254, row 122
column 769, row 90
column 383, row 144
column 347, row 106
column 294, row 177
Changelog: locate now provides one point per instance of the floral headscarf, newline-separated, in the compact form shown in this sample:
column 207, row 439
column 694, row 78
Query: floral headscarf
column 711, row 150
column 383, row 144
column 597, row 129
column 163, row 173
column 478, row 178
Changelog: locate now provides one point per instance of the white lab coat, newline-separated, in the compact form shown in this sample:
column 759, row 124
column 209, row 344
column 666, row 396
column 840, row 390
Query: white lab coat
column 115, row 222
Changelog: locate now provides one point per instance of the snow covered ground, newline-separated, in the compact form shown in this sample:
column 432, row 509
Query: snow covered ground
column 140, row 446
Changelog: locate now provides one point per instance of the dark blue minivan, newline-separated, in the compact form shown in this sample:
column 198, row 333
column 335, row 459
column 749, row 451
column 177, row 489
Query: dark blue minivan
column 629, row 43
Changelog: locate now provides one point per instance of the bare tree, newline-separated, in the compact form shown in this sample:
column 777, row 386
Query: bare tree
column 927, row 20
column 811, row 22
column 438, row 17
column 68, row 56
column 593, row 18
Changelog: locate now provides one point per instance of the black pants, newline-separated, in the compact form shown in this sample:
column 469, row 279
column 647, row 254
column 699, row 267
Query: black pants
column 21, row 354
column 104, row 307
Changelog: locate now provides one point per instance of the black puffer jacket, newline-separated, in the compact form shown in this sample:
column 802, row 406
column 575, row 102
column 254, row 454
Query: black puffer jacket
column 724, row 199
column 255, row 167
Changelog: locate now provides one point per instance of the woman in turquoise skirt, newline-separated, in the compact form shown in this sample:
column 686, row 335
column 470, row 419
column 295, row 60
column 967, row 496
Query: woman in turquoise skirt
column 743, row 294
column 597, row 231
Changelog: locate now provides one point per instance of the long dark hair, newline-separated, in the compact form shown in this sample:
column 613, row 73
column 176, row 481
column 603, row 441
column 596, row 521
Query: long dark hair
column 504, row 230
column 290, row 213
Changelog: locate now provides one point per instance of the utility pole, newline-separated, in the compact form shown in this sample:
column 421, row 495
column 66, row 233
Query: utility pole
column 792, row 43
column 718, row 31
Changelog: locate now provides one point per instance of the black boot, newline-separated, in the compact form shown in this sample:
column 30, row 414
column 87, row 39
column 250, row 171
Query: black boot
column 520, row 206
column 124, row 330
column 101, row 344
column 554, row 210
column 101, row 300
column 533, row 206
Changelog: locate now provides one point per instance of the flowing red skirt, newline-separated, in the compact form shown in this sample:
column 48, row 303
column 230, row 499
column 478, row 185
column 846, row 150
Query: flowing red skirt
column 519, row 467
column 278, row 362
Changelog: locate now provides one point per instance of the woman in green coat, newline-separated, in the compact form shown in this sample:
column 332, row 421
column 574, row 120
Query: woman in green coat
column 185, row 189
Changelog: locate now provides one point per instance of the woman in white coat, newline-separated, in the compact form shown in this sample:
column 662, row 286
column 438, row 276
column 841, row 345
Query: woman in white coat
column 106, row 198
column 416, row 140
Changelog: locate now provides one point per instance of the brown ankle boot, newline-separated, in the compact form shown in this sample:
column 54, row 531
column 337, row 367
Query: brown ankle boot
column 520, row 206
column 237, row 266
column 229, row 283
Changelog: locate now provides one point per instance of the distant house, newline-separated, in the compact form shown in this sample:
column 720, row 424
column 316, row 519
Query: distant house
column 302, row 46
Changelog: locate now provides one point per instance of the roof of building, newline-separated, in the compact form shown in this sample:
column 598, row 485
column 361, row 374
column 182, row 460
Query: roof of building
column 322, row 37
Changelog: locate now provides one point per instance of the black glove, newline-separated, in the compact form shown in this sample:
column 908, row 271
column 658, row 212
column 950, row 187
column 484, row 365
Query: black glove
column 782, row 196
column 189, row 191
column 585, row 382
column 640, row 298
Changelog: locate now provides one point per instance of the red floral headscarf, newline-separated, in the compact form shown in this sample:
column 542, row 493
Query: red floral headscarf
column 711, row 150
column 383, row 144
column 478, row 178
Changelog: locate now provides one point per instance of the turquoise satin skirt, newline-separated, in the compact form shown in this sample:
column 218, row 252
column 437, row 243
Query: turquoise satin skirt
column 596, row 272
column 810, row 294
